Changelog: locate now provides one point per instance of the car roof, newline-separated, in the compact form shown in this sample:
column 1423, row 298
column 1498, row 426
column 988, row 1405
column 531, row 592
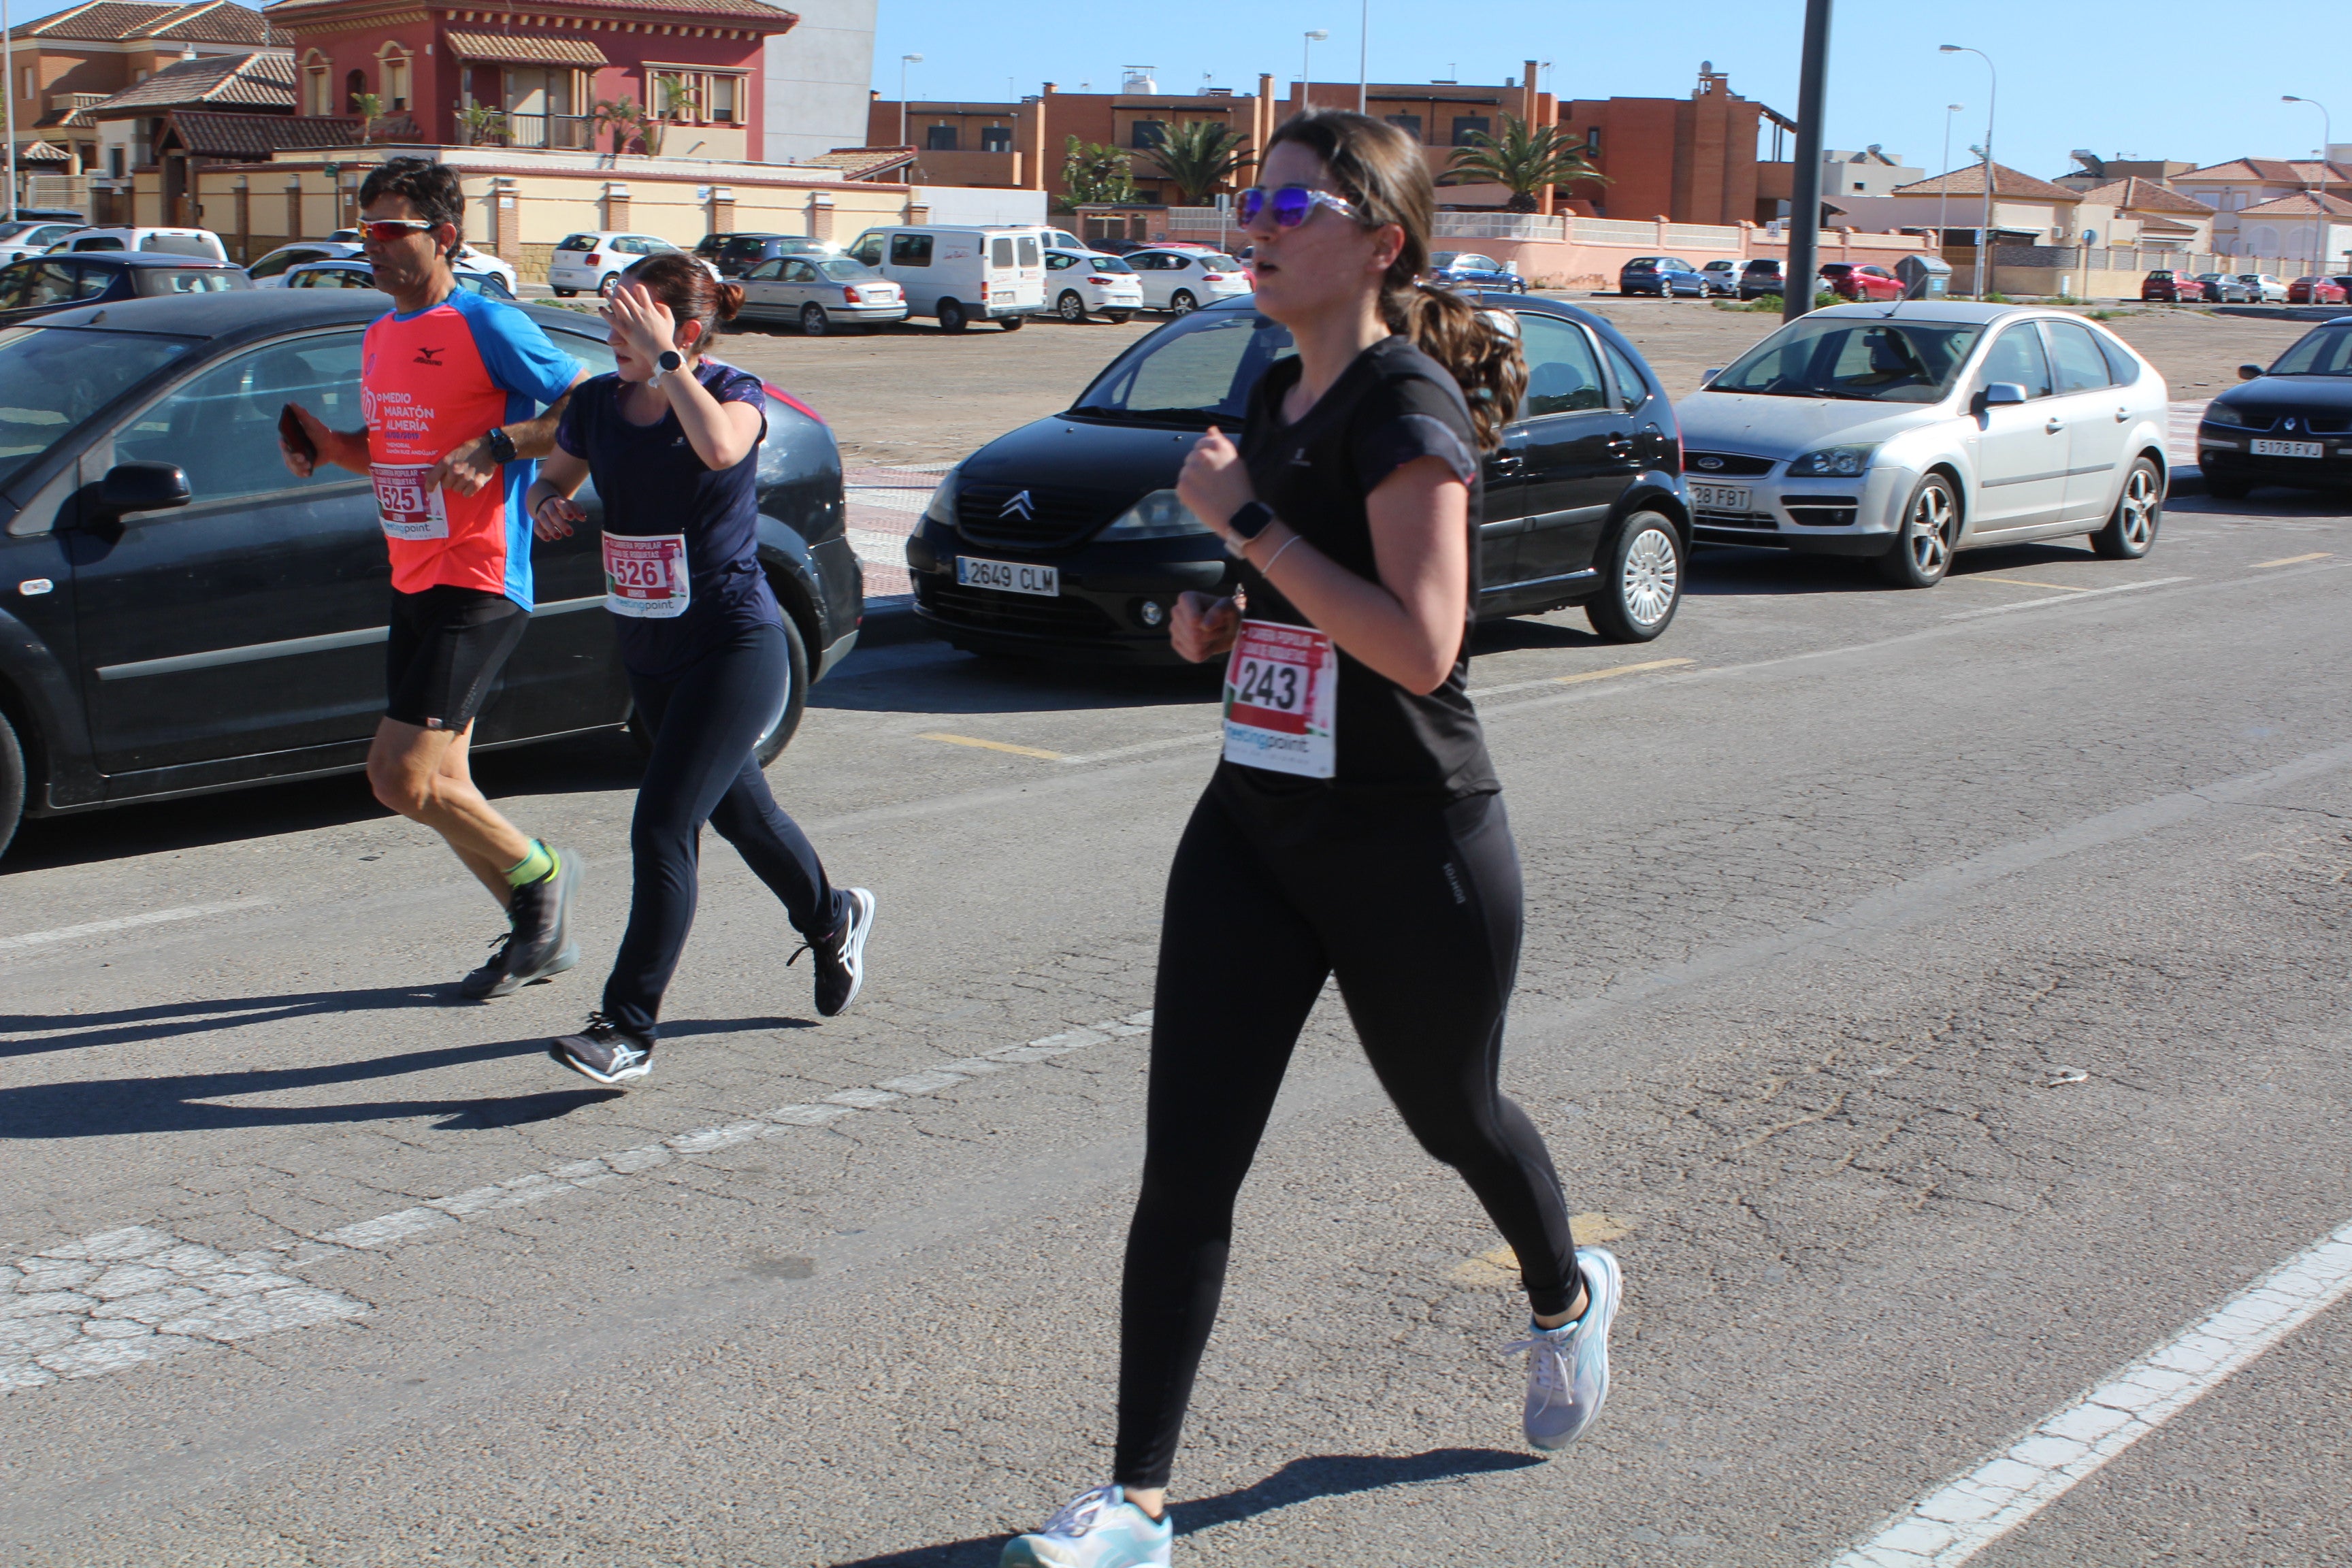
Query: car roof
column 241, row 314
column 1933, row 310
column 139, row 259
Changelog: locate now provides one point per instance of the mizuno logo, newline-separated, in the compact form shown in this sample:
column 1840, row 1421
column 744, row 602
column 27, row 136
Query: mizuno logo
column 1020, row 506
column 426, row 356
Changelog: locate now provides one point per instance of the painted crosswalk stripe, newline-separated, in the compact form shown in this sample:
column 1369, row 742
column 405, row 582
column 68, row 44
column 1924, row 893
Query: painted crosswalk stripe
column 125, row 922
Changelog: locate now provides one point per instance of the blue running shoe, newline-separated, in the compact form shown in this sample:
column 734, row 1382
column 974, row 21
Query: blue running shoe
column 1567, row 1367
column 1099, row 1529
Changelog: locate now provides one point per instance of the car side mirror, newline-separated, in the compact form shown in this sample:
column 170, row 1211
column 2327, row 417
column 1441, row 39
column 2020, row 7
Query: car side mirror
column 2003, row 395
column 2250, row 373
column 1710, row 374
column 139, row 487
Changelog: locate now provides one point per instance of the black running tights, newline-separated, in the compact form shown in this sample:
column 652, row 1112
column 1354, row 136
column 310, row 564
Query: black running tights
column 1416, row 908
column 704, row 725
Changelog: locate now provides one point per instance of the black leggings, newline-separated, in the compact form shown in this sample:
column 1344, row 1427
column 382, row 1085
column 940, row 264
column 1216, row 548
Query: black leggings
column 1416, row 908
column 704, row 724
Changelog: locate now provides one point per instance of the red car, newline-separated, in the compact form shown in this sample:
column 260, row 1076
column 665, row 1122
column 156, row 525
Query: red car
column 1850, row 281
column 2170, row 289
column 2315, row 291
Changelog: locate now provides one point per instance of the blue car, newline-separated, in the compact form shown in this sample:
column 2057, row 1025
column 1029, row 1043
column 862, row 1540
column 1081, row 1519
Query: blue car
column 1468, row 269
column 1665, row 276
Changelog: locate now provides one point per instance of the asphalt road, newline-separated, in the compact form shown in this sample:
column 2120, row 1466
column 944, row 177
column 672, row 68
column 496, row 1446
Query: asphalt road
column 1940, row 997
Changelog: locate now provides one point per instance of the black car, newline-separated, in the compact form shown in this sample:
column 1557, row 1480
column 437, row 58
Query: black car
column 2289, row 425
column 41, row 284
column 1468, row 269
column 180, row 615
column 1762, row 276
column 735, row 254
column 1064, row 538
column 1665, row 276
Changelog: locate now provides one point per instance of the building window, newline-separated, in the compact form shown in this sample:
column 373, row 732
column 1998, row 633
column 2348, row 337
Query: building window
column 997, row 139
column 354, row 84
column 724, row 92
column 391, row 67
column 940, row 139
column 1468, row 125
column 696, row 96
column 1148, row 133
column 1408, row 123
column 114, row 168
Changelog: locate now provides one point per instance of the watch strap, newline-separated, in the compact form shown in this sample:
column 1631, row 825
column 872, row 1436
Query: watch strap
column 501, row 445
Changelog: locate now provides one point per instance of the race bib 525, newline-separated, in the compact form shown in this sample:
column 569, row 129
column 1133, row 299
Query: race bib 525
column 408, row 509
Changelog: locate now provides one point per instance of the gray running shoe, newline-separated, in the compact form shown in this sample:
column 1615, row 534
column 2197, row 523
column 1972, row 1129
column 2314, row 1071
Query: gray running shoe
column 1567, row 1367
column 1099, row 1529
column 540, row 914
column 604, row 1051
column 492, row 979
column 841, row 956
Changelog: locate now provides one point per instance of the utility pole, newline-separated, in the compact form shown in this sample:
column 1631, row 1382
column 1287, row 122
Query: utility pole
column 1306, row 68
column 1992, row 104
column 904, row 61
column 8, row 69
column 1364, row 59
column 1944, row 179
column 1804, row 261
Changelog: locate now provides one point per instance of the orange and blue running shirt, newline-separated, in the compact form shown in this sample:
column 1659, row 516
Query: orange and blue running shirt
column 429, row 382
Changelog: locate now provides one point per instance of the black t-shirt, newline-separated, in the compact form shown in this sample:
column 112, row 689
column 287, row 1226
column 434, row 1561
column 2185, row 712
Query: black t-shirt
column 653, row 483
column 1392, row 405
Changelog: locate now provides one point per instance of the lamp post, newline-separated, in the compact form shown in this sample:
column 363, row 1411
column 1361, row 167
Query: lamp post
column 2326, row 141
column 904, row 61
column 8, row 69
column 1992, row 103
column 1306, row 67
column 1364, row 59
column 1804, row 263
column 1944, row 179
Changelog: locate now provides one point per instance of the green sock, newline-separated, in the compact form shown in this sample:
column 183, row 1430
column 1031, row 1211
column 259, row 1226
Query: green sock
column 540, row 862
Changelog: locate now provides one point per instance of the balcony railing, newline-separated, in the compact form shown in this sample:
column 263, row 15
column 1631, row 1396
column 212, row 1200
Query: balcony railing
column 563, row 132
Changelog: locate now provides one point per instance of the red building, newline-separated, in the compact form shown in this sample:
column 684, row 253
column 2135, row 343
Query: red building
column 545, row 69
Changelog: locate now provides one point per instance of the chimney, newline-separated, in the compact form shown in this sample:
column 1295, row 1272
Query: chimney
column 1048, row 91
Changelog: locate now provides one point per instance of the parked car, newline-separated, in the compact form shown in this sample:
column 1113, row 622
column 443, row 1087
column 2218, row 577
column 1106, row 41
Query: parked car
column 1721, row 278
column 1081, row 283
column 1852, row 280
column 202, row 243
column 819, row 293
column 30, row 237
column 2224, row 288
column 271, row 270
column 2343, row 280
column 1114, row 247
column 2289, row 424
column 1182, row 278
column 1065, row 539
column 351, row 272
column 2167, row 287
column 2315, row 290
column 1468, row 269
column 960, row 273
column 733, row 254
column 1761, row 276
column 42, row 285
column 587, row 263
column 73, row 216
column 2267, row 288
column 1909, row 436
column 186, row 617
column 1665, row 276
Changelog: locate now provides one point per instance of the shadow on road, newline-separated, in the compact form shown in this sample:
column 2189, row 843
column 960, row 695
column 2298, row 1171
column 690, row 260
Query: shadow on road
column 940, row 679
column 1298, row 1481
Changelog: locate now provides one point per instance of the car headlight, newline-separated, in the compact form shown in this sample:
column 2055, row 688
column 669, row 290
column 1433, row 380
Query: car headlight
column 2219, row 413
column 941, row 508
column 1833, row 462
column 1159, row 515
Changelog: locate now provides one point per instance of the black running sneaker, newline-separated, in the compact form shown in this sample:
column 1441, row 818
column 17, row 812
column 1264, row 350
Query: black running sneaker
column 494, row 979
column 538, row 945
column 841, row 955
column 604, row 1051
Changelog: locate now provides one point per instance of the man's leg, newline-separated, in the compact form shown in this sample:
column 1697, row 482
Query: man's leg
column 423, row 774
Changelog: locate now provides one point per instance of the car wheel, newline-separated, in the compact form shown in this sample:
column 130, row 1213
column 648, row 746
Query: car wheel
column 1118, row 318
column 1012, row 323
column 952, row 317
column 779, row 732
column 11, row 783
column 814, row 322
column 1923, row 546
column 2131, row 528
column 604, row 288
column 1069, row 307
column 565, row 293
column 1644, row 581
column 1182, row 303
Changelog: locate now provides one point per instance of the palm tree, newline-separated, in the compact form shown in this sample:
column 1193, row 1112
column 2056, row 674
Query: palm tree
column 1094, row 172
column 620, row 116
column 368, row 106
column 1524, row 158
column 1200, row 156
column 675, row 100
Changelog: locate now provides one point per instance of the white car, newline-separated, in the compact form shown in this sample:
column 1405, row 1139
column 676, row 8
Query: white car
column 1907, row 432
column 199, row 242
column 271, row 269
column 1081, row 281
column 587, row 262
column 1183, row 280
column 2266, row 289
column 31, row 236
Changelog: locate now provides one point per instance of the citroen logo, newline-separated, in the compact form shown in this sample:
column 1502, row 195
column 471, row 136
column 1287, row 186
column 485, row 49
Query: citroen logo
column 1019, row 506
column 1709, row 463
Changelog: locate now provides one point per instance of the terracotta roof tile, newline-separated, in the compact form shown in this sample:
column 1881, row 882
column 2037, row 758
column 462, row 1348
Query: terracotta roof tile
column 261, row 80
column 860, row 162
column 257, row 136
column 2135, row 194
column 113, row 21
column 1968, row 180
column 769, row 19
column 2278, row 170
column 2302, row 204
column 527, row 50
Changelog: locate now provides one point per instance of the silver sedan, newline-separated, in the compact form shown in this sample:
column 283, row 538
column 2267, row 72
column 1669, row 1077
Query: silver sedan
column 820, row 293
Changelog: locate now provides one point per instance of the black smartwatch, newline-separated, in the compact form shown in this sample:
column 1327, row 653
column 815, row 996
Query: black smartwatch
column 501, row 445
column 1250, row 521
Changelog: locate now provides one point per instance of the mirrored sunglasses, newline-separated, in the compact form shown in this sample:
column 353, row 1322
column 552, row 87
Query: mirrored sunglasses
column 391, row 230
column 1292, row 204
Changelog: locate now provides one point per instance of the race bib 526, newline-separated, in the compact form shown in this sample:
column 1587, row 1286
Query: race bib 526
column 646, row 579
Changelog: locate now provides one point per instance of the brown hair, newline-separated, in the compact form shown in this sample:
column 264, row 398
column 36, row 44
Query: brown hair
column 688, row 289
column 1381, row 170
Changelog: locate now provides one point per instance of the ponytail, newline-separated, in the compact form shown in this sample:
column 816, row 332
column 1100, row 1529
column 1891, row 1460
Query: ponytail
column 1484, row 360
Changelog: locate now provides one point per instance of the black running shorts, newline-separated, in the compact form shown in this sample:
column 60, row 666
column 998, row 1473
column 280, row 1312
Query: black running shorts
column 446, row 648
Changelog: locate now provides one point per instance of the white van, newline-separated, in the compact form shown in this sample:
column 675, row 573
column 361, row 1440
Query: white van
column 961, row 273
column 197, row 242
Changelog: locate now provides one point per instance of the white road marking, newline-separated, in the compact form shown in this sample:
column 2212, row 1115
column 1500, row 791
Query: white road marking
column 1961, row 1519
column 125, row 1297
column 125, row 922
column 2072, row 596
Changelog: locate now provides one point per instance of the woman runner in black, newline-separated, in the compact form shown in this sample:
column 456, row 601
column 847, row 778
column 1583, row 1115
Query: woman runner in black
column 672, row 440
column 1354, row 827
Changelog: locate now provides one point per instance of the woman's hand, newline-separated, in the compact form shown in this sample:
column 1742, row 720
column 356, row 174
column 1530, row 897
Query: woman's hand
column 1214, row 484
column 1203, row 627
column 554, row 518
column 644, row 321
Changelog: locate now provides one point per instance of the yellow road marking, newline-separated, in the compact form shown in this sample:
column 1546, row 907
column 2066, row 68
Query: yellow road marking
column 991, row 745
column 2294, row 559
column 1501, row 1267
column 1618, row 670
column 2028, row 583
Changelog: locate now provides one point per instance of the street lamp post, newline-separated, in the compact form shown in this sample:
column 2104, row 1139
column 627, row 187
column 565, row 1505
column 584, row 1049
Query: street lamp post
column 1803, row 268
column 8, row 94
column 904, row 61
column 2326, row 141
column 1992, row 103
column 1944, row 179
column 1364, row 59
column 1306, row 67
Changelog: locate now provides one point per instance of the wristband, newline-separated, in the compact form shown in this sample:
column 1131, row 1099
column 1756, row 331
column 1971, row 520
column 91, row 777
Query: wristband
column 1266, row 571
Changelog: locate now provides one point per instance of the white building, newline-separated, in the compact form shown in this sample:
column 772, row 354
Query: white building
column 818, row 80
column 1872, row 171
column 2307, row 227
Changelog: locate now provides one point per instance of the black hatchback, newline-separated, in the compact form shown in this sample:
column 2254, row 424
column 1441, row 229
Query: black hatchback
column 40, row 284
column 1065, row 539
column 179, row 614
column 2289, row 424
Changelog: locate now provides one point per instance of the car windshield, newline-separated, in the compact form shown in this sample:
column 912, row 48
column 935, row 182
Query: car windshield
column 841, row 269
column 577, row 242
column 1106, row 264
column 2324, row 350
column 11, row 230
column 186, row 280
column 1221, row 263
column 53, row 378
column 1196, row 373
column 1872, row 360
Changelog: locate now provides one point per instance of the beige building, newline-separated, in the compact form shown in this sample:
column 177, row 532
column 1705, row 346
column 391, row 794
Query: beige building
column 2025, row 211
column 2308, row 228
column 86, row 54
column 2136, row 212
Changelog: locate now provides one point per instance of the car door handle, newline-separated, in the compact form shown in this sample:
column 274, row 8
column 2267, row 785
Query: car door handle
column 2122, row 414
column 2055, row 425
column 1507, row 462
